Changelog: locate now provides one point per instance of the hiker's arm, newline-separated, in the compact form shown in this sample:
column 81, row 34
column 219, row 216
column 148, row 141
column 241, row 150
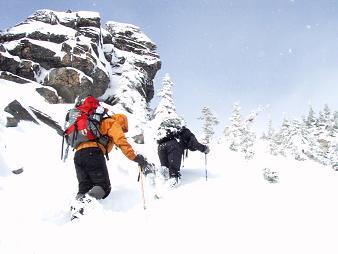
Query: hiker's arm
column 192, row 142
column 195, row 145
column 120, row 140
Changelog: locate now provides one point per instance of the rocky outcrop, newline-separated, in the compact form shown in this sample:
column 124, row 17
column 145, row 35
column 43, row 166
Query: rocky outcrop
column 49, row 95
column 30, row 50
column 69, row 19
column 46, row 119
column 23, row 68
column 11, row 77
column 72, row 53
column 56, row 38
column 70, row 83
column 129, row 38
column 19, row 113
column 8, row 62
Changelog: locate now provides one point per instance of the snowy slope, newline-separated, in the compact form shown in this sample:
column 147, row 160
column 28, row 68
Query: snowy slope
column 235, row 211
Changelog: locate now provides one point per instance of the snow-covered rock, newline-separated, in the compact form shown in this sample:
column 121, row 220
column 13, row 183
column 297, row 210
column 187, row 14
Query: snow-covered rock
column 72, row 55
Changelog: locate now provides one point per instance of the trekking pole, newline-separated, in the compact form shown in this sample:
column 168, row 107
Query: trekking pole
column 206, row 171
column 63, row 142
column 140, row 178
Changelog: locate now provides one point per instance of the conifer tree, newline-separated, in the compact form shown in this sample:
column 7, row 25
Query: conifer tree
column 335, row 121
column 166, row 106
column 270, row 137
column 271, row 130
column 247, row 142
column 270, row 133
column 239, row 135
column 313, row 138
column 311, row 118
column 281, row 139
column 235, row 130
column 209, row 122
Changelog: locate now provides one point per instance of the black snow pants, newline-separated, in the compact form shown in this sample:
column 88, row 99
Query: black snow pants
column 91, row 170
column 170, row 155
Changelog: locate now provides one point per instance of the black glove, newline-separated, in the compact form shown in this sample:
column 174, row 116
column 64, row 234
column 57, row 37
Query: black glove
column 206, row 150
column 142, row 162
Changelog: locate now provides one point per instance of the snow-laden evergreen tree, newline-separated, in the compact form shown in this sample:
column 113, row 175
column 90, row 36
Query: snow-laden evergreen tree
column 291, row 140
column 335, row 122
column 165, row 112
column 310, row 121
column 279, row 142
column 270, row 133
column 248, row 142
column 270, row 137
column 325, row 135
column 299, row 140
column 233, row 133
column 209, row 122
column 166, row 107
column 239, row 135
column 313, row 138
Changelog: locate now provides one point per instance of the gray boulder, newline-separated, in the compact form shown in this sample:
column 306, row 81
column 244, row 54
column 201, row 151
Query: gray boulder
column 19, row 113
column 70, row 83
column 49, row 95
column 36, row 53
column 14, row 78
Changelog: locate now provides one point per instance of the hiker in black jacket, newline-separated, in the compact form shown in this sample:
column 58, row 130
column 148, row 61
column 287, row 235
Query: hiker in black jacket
column 173, row 139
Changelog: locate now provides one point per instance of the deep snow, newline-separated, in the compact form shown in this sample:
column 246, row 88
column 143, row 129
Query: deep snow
column 235, row 211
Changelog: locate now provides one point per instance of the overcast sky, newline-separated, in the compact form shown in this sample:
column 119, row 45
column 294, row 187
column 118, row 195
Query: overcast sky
column 282, row 53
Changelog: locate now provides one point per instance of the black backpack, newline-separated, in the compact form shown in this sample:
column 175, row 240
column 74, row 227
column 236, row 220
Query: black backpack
column 186, row 139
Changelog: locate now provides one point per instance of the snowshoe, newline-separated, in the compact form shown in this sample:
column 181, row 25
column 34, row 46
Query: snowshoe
column 82, row 205
column 165, row 185
column 172, row 183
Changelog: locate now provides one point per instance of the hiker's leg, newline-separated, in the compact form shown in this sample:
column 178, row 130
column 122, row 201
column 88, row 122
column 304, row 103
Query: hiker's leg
column 162, row 154
column 174, row 158
column 98, row 173
column 84, row 182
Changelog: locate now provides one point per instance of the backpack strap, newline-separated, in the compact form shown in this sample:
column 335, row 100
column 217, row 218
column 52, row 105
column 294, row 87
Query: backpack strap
column 98, row 139
column 75, row 134
column 105, row 148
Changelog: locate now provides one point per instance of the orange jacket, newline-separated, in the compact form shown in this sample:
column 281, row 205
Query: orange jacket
column 114, row 126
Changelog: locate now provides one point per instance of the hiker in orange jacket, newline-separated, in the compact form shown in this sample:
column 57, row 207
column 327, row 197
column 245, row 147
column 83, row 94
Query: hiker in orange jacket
column 90, row 164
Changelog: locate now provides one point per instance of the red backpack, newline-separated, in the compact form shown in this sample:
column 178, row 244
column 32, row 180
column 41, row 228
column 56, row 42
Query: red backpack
column 83, row 124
